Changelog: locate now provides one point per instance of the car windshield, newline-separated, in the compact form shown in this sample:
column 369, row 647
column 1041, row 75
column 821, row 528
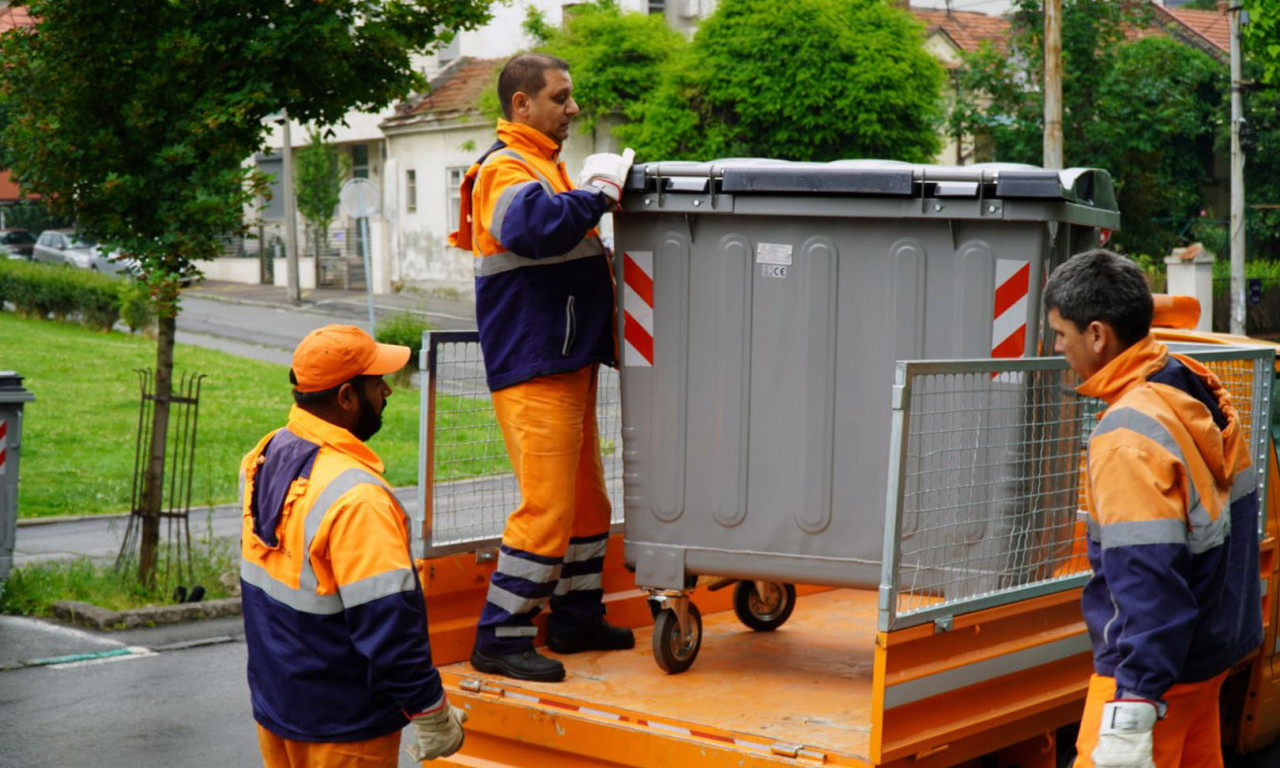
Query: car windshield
column 80, row 241
column 17, row 238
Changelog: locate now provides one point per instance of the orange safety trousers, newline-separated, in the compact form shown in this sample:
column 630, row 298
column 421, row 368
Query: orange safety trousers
column 1188, row 736
column 549, row 426
column 277, row 752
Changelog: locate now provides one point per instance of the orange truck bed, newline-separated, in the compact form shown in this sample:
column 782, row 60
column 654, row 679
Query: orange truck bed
column 827, row 688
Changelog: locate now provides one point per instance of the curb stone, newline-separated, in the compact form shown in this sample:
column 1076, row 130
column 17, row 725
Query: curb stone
column 95, row 617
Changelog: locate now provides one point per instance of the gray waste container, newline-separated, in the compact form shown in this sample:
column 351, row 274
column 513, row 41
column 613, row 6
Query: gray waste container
column 12, row 398
column 763, row 305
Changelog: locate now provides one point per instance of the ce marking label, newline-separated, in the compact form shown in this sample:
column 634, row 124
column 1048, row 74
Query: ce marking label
column 773, row 270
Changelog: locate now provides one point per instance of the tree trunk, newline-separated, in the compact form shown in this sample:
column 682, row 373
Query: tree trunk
column 153, row 489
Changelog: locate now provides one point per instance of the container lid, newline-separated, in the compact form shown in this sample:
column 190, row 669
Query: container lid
column 887, row 178
column 11, row 389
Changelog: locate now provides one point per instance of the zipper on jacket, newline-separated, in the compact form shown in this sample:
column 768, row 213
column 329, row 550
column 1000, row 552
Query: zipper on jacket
column 569, row 326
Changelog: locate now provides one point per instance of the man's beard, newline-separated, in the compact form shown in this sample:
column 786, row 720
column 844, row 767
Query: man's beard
column 369, row 421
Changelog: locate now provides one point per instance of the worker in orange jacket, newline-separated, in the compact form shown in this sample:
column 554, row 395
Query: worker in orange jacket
column 545, row 310
column 334, row 617
column 1174, row 599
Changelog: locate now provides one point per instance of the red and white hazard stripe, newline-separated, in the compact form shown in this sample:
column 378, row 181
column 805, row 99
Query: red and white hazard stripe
column 637, row 308
column 4, row 442
column 1009, row 325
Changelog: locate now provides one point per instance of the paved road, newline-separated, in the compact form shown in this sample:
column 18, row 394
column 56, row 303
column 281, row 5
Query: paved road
column 145, row 700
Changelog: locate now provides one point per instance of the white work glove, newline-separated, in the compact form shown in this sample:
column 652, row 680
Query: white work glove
column 1124, row 738
column 437, row 733
column 606, row 173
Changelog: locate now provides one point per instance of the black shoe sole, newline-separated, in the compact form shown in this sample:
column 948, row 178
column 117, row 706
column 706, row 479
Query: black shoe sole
column 562, row 647
column 497, row 667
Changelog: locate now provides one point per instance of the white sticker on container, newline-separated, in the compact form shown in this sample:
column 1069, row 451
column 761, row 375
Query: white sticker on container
column 773, row 270
column 773, row 253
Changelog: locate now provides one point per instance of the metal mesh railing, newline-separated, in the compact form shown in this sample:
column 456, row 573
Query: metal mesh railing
column 986, row 471
column 466, row 488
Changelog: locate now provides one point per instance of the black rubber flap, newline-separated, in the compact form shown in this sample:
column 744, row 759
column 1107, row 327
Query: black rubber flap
column 816, row 179
column 1042, row 184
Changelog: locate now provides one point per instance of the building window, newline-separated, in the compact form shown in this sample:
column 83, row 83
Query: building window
column 360, row 161
column 411, row 191
column 658, row 7
column 454, row 189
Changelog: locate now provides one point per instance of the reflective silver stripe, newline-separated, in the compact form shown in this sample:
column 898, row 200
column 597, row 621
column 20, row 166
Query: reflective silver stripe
column 1137, row 421
column 1136, row 532
column 981, row 671
column 579, row 583
column 305, row 598
column 1246, row 482
column 580, row 553
column 511, row 602
column 505, row 261
column 375, row 587
column 500, row 208
column 515, row 631
column 1095, row 530
column 510, row 565
column 514, row 155
column 336, row 489
column 1205, row 533
column 298, row 600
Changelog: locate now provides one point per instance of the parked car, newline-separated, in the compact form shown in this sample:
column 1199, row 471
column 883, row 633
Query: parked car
column 16, row 243
column 66, row 246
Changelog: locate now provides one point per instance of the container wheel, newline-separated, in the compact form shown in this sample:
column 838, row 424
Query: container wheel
column 763, row 605
column 672, row 649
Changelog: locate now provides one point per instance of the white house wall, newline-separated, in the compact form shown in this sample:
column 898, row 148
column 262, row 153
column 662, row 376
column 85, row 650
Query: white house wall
column 420, row 255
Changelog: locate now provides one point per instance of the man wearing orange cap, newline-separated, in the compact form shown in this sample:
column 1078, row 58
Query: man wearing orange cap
column 335, row 620
column 545, row 311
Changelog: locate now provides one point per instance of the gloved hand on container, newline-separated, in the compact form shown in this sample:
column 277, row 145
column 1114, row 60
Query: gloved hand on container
column 436, row 733
column 1125, row 735
column 606, row 173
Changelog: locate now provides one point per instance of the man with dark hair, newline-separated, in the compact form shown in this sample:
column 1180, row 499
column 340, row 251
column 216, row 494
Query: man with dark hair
column 335, row 621
column 545, row 311
column 1174, row 599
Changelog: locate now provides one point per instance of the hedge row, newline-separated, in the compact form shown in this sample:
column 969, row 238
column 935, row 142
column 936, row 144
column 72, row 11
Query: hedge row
column 66, row 293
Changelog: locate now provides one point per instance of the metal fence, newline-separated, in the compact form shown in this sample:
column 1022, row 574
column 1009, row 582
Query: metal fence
column 466, row 488
column 985, row 472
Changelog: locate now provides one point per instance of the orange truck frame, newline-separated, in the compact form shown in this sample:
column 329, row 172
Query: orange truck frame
column 1000, row 687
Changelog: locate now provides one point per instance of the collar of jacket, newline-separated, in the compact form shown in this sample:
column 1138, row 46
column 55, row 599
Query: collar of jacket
column 526, row 138
column 311, row 427
column 1128, row 370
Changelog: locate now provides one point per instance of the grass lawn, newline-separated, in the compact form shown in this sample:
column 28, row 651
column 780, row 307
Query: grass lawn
column 78, row 436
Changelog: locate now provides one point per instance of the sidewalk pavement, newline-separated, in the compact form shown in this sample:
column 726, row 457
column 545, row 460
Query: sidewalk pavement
column 445, row 311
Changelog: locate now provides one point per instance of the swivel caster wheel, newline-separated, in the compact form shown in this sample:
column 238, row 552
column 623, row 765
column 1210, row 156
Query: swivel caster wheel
column 763, row 605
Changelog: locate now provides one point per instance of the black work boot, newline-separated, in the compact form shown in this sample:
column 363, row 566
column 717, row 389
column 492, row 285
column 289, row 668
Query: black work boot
column 601, row 637
column 522, row 665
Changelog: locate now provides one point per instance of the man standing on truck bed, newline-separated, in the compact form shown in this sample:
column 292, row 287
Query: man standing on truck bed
column 545, row 311
column 1174, row 601
column 334, row 618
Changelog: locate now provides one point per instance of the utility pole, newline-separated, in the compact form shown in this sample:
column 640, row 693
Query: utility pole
column 1053, row 84
column 290, row 216
column 1237, row 177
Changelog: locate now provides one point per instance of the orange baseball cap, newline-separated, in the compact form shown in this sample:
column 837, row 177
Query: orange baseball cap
column 335, row 354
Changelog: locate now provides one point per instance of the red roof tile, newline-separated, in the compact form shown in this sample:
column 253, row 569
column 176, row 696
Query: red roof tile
column 455, row 91
column 1210, row 30
column 967, row 29
column 11, row 18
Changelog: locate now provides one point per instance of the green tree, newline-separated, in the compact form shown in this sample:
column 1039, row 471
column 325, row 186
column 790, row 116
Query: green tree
column 803, row 80
column 135, row 116
column 1147, row 111
column 614, row 56
column 1262, row 37
column 320, row 171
